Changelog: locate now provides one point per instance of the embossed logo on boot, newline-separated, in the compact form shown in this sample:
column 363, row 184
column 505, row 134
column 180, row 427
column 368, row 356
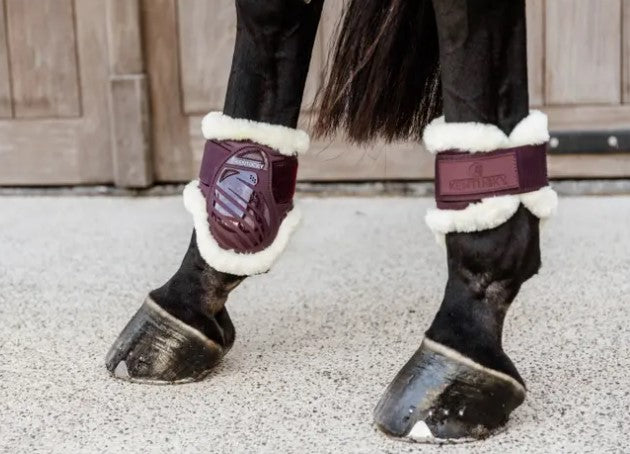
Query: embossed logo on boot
column 475, row 170
column 477, row 174
column 477, row 180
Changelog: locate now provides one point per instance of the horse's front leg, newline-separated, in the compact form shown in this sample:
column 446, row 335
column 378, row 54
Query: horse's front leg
column 491, row 191
column 242, row 203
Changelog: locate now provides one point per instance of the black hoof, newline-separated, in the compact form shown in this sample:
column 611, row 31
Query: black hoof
column 156, row 347
column 440, row 396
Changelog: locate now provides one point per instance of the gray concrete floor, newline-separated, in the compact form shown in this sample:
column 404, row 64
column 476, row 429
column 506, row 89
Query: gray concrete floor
column 336, row 318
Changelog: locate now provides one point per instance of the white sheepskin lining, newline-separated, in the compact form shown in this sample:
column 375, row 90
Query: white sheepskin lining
column 490, row 212
column 228, row 261
column 286, row 141
column 479, row 137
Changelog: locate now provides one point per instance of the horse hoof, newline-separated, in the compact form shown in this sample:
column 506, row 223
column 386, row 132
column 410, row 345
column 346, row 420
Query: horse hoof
column 441, row 396
column 155, row 347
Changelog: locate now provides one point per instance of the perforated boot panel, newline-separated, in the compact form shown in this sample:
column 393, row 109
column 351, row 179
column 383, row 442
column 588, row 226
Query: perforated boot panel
column 248, row 190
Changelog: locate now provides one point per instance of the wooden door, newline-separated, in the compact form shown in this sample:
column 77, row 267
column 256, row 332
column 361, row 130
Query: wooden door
column 113, row 91
column 579, row 70
column 71, row 104
column 188, row 54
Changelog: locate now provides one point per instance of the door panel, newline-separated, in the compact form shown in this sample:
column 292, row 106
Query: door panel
column 625, row 43
column 95, row 140
column 206, row 38
column 583, row 49
column 42, row 46
column 125, row 37
column 536, row 51
column 63, row 53
column 5, row 81
column 171, row 150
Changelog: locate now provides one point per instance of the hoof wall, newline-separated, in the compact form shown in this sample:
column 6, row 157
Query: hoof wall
column 440, row 396
column 155, row 347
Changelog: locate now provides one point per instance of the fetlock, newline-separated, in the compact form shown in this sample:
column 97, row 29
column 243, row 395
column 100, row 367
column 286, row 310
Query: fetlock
column 196, row 295
column 486, row 270
column 243, row 214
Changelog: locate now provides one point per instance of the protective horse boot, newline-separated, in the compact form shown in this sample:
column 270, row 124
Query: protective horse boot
column 491, row 192
column 242, row 204
column 242, row 208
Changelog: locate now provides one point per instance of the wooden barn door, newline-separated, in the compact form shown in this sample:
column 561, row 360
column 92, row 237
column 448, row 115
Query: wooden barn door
column 68, row 77
column 579, row 71
column 113, row 91
column 189, row 52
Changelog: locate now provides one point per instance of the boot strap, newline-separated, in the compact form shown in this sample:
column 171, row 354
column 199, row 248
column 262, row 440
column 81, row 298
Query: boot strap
column 462, row 178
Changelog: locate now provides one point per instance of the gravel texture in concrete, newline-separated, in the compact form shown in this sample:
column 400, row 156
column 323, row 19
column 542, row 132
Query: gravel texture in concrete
column 318, row 338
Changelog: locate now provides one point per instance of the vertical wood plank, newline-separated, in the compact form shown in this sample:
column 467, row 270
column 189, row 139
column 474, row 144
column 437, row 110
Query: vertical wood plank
column 94, row 139
column 536, row 51
column 582, row 41
column 124, row 37
column 131, row 131
column 207, row 30
column 6, row 107
column 42, row 46
column 625, row 39
column 172, row 156
column 129, row 94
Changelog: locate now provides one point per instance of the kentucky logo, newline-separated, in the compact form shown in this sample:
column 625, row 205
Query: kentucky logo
column 477, row 180
column 475, row 170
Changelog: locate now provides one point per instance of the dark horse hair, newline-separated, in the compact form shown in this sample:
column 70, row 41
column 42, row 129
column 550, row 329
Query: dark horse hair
column 383, row 76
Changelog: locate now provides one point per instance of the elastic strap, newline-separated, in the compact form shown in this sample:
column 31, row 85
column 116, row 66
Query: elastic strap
column 462, row 178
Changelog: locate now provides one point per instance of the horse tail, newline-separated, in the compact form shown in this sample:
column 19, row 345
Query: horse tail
column 383, row 76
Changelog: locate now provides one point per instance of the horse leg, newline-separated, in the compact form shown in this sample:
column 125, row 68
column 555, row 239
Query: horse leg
column 242, row 204
column 491, row 191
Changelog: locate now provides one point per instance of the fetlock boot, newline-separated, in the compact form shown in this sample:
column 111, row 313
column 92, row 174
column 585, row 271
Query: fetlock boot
column 491, row 192
column 243, row 215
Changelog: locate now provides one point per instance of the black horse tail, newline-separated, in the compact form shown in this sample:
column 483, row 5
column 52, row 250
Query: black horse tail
column 383, row 76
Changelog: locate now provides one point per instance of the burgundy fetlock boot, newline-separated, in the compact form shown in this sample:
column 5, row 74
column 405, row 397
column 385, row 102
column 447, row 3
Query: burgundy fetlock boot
column 243, row 213
column 491, row 192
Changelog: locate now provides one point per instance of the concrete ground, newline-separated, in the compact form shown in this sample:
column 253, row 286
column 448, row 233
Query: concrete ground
column 318, row 338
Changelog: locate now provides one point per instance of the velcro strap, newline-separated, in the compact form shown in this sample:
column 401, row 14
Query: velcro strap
column 464, row 178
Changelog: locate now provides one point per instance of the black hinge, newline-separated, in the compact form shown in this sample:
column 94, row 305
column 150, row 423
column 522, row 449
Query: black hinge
column 611, row 141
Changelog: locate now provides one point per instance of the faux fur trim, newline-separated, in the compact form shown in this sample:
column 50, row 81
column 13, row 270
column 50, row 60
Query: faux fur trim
column 486, row 214
column 286, row 141
column 542, row 203
column 229, row 261
column 490, row 212
column 479, row 137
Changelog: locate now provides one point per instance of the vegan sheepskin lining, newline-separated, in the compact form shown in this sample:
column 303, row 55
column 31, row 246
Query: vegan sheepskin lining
column 490, row 212
column 479, row 137
column 287, row 141
column 229, row 261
